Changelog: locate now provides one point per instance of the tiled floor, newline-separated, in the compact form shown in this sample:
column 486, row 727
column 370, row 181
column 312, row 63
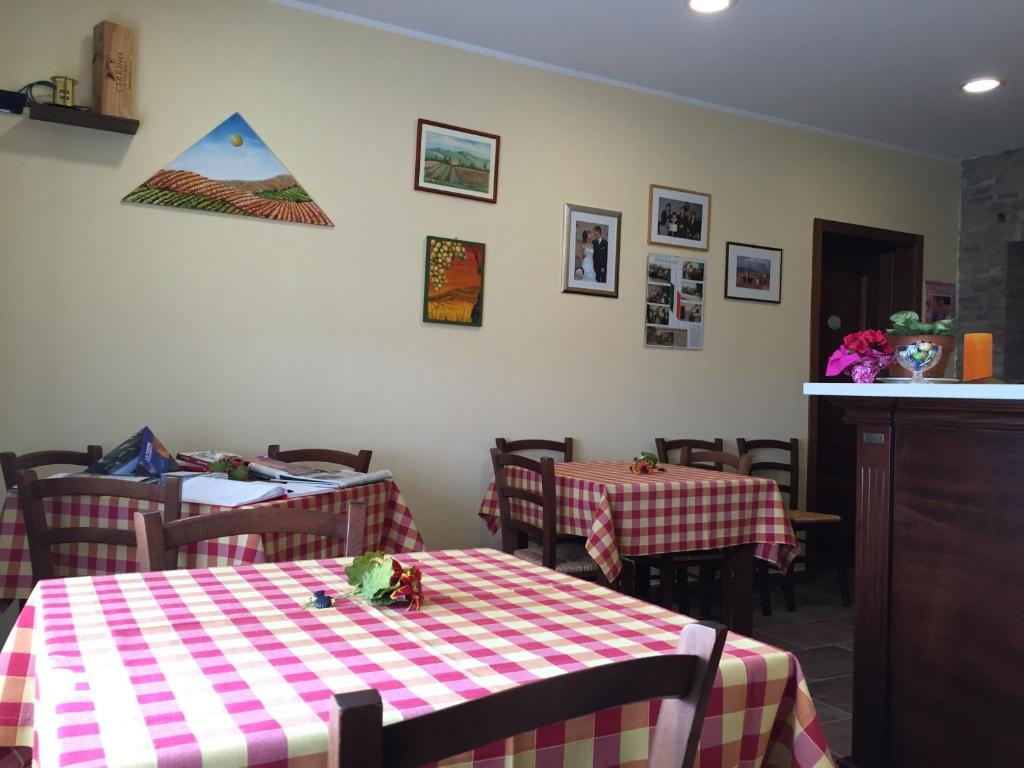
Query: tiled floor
column 820, row 634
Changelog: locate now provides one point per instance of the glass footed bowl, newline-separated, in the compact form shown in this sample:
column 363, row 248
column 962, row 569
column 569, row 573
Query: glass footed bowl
column 918, row 357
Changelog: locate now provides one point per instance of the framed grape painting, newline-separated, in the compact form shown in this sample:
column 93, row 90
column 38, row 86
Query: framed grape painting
column 453, row 284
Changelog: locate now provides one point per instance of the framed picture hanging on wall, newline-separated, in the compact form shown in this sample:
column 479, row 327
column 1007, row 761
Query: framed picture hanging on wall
column 453, row 289
column 457, row 161
column 753, row 273
column 680, row 218
column 590, row 251
column 674, row 310
column 939, row 301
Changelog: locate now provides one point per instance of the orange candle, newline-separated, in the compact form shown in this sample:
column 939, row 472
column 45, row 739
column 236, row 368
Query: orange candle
column 977, row 356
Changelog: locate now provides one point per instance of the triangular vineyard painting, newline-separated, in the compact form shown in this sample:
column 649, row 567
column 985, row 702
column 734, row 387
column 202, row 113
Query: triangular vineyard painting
column 231, row 170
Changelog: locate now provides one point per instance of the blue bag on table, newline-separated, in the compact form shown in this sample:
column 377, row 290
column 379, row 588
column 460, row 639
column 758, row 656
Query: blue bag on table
column 140, row 454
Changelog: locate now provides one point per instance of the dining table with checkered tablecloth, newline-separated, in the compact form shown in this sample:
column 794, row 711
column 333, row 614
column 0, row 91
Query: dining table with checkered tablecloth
column 225, row 666
column 389, row 527
column 621, row 513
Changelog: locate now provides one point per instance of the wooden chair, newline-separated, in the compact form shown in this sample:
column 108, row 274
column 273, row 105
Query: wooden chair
column 641, row 566
column 684, row 680
column 360, row 462
column 159, row 540
column 565, row 556
column 665, row 448
column 708, row 560
column 563, row 447
column 801, row 520
column 42, row 536
column 11, row 464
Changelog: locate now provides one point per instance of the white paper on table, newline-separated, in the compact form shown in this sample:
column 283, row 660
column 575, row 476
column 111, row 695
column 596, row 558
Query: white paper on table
column 217, row 490
column 295, row 488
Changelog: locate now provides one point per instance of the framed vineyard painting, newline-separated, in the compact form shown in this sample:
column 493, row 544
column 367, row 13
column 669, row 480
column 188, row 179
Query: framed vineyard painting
column 456, row 161
column 453, row 289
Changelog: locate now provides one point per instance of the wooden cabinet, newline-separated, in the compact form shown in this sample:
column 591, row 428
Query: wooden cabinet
column 939, row 640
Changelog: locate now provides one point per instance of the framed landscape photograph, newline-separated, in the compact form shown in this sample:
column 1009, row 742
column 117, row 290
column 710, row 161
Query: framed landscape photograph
column 674, row 311
column 680, row 218
column 453, row 289
column 456, row 161
column 753, row 273
column 590, row 251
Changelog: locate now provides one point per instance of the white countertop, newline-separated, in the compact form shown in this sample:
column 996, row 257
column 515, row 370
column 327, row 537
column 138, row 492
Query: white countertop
column 934, row 391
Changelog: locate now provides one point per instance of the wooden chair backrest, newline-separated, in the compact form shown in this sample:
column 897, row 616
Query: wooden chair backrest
column 563, row 447
column 159, row 540
column 42, row 536
column 11, row 463
column 792, row 468
column 546, row 500
column 719, row 459
column 665, row 447
column 684, row 680
column 360, row 462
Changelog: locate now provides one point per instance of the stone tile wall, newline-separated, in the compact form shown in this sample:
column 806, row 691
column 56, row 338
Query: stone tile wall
column 990, row 273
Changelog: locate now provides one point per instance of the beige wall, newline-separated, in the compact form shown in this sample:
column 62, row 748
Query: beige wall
column 232, row 333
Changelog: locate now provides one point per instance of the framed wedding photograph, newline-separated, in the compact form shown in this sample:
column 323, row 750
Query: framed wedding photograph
column 453, row 286
column 590, row 250
column 674, row 311
column 753, row 273
column 456, row 161
column 680, row 218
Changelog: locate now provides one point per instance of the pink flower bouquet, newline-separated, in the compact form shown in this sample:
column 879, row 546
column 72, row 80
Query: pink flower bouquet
column 863, row 355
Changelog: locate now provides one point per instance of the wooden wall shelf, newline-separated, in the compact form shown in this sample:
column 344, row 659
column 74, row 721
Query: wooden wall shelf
column 82, row 118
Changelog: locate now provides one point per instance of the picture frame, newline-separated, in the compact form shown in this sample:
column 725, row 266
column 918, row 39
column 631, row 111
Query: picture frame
column 458, row 162
column 753, row 273
column 453, row 282
column 678, row 218
column 939, row 300
column 591, row 243
column 674, row 301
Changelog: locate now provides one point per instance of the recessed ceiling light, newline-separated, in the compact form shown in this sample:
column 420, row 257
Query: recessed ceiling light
column 710, row 6
column 981, row 84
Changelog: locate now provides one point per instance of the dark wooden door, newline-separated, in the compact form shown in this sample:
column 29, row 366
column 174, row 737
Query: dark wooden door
column 861, row 275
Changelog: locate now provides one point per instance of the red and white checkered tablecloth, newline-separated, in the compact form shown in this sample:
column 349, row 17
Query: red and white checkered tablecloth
column 679, row 510
column 223, row 667
column 389, row 527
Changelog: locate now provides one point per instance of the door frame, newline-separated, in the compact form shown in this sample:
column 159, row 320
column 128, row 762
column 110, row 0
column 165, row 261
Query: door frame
column 823, row 227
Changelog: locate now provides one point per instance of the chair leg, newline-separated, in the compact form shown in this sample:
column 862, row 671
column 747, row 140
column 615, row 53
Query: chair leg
column 683, row 590
column 844, row 581
column 667, row 567
column 626, row 580
column 787, row 590
column 707, row 588
column 642, row 579
column 764, row 585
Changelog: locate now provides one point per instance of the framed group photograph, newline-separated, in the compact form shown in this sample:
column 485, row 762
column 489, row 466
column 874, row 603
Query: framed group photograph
column 453, row 290
column 680, row 218
column 753, row 273
column 457, row 161
column 590, row 250
column 674, row 310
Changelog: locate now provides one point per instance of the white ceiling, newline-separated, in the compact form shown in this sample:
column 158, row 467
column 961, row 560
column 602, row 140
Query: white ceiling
column 885, row 71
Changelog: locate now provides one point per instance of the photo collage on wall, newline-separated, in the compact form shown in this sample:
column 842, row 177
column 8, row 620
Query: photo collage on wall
column 674, row 317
